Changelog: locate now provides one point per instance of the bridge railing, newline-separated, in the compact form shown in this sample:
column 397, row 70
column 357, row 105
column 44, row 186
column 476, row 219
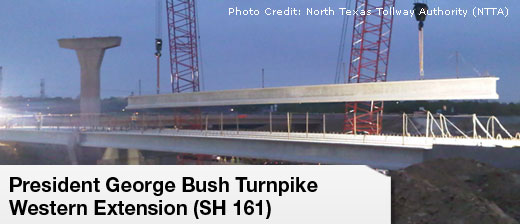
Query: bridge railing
column 455, row 126
column 424, row 124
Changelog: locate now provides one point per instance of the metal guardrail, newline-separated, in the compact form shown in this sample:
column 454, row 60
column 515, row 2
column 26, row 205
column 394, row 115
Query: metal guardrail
column 440, row 126
column 435, row 125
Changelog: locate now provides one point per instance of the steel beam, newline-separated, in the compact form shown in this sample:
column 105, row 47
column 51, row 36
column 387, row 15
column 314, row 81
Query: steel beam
column 439, row 89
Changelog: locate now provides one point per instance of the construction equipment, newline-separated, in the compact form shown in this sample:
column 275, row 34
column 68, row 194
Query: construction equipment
column 369, row 58
column 184, row 55
column 158, row 43
column 158, row 47
column 420, row 11
column 183, row 43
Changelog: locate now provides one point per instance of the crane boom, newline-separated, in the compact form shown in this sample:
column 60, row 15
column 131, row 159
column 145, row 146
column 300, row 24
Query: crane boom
column 183, row 43
column 370, row 51
column 184, row 58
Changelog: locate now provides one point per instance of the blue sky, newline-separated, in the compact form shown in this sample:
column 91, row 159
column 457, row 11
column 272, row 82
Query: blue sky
column 299, row 50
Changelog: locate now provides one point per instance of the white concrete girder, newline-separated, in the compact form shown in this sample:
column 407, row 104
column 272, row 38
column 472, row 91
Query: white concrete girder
column 439, row 89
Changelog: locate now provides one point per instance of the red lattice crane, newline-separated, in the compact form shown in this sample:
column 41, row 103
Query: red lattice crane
column 184, row 63
column 183, row 43
column 184, row 57
column 369, row 56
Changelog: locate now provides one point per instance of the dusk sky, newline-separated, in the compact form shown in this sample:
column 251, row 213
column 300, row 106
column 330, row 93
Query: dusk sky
column 294, row 50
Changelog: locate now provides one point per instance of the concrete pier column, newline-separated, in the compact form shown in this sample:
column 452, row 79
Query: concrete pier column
column 72, row 148
column 134, row 157
column 114, row 156
column 110, row 157
column 90, row 53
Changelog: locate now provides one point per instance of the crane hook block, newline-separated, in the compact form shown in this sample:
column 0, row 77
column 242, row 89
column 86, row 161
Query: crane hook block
column 158, row 47
column 420, row 11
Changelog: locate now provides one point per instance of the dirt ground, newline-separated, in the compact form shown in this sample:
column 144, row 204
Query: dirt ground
column 455, row 191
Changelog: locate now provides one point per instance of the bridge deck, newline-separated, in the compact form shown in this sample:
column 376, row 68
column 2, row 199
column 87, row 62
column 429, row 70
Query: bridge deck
column 385, row 152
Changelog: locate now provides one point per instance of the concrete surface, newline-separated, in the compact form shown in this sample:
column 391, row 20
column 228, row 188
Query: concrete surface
column 440, row 89
column 384, row 157
column 90, row 53
column 507, row 158
column 384, row 152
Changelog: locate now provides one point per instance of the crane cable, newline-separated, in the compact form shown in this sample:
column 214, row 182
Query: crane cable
column 421, row 53
column 202, row 82
column 341, row 52
column 466, row 62
column 420, row 11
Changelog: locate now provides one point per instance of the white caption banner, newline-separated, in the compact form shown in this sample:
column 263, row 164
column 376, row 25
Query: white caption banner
column 344, row 194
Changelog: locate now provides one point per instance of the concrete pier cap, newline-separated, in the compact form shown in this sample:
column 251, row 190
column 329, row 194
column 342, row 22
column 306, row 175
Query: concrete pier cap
column 90, row 52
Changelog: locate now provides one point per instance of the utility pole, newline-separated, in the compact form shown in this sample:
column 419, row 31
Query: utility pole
column 263, row 80
column 457, row 63
column 139, row 87
column 1, row 79
column 344, row 73
column 42, row 88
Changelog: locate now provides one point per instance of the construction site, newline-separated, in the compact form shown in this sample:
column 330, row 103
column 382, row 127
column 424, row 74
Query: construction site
column 451, row 143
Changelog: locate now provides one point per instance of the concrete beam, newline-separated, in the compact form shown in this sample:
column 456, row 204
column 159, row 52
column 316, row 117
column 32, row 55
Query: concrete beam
column 286, row 150
column 90, row 53
column 39, row 137
column 439, row 89
column 295, row 149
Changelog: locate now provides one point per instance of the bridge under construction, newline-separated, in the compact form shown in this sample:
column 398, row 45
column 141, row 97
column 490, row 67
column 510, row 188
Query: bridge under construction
column 302, row 138
column 279, row 139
